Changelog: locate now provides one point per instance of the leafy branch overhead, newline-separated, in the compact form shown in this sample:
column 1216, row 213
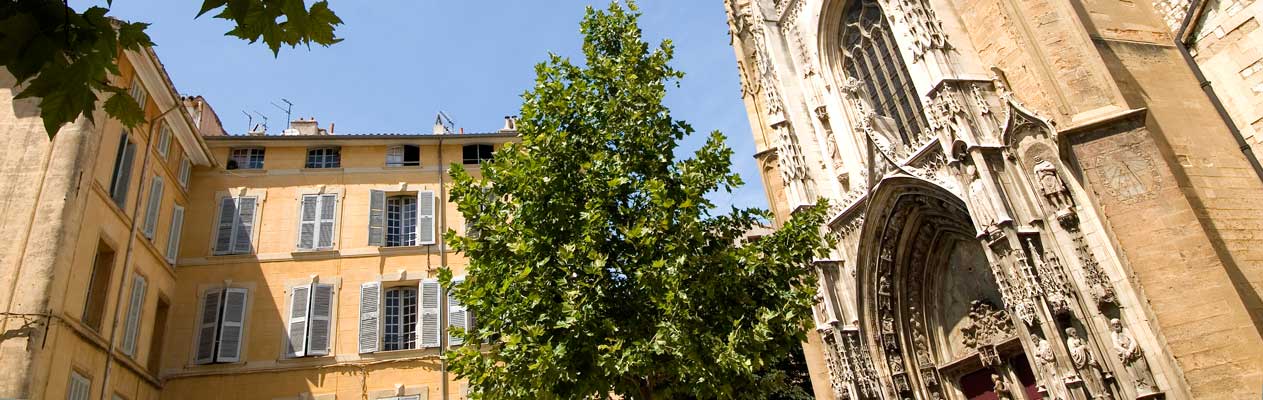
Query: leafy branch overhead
column 68, row 59
column 596, row 264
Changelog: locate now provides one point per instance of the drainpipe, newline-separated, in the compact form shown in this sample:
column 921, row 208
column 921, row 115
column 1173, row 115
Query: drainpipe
column 127, row 259
column 1182, row 45
column 442, row 207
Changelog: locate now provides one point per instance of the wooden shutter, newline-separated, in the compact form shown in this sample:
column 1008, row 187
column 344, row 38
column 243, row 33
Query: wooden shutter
column 173, row 237
column 425, row 218
column 457, row 316
column 131, row 327
column 328, row 211
column 151, row 210
column 223, row 232
column 299, row 307
column 231, row 325
column 370, row 316
column 307, row 210
column 80, row 388
column 319, row 320
column 208, row 326
column 123, row 177
column 377, row 218
column 243, row 230
column 164, row 140
column 428, row 329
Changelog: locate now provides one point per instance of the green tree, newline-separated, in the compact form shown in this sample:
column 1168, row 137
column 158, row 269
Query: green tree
column 597, row 266
column 65, row 57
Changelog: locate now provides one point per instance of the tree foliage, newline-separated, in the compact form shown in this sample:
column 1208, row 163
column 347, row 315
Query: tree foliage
column 66, row 58
column 596, row 264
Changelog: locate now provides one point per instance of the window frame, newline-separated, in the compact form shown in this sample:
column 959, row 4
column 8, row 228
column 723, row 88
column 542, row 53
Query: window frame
column 132, row 323
column 479, row 157
column 404, row 333
column 336, row 233
column 260, row 196
column 334, row 284
column 402, row 150
column 249, row 153
column 121, row 173
column 885, row 81
column 78, row 377
column 153, row 207
column 186, row 169
column 137, row 92
column 104, row 291
column 324, row 163
column 164, row 140
column 242, row 345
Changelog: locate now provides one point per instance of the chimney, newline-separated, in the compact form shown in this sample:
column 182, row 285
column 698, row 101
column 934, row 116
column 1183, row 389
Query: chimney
column 304, row 127
column 510, row 124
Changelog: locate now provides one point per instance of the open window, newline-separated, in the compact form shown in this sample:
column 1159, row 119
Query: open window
column 400, row 315
column 221, row 325
column 477, row 153
column 403, row 156
column 247, row 158
column 401, row 219
column 310, row 325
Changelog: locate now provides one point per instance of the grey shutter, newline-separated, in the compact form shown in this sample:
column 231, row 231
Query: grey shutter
column 428, row 329
column 377, row 218
column 307, row 222
column 243, row 231
column 208, row 327
column 319, row 320
column 123, row 178
column 185, row 167
column 151, row 210
column 79, row 388
column 173, row 237
column 328, row 211
column 425, row 218
column 231, row 326
column 457, row 315
column 370, row 316
column 223, row 232
column 132, row 325
column 164, row 140
column 299, row 306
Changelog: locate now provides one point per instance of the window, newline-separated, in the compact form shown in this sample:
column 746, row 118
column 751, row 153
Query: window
column 159, row 333
column 235, row 230
column 316, row 221
column 151, row 211
column 405, row 155
column 871, row 56
column 477, row 153
column 251, row 158
column 310, row 326
column 401, row 220
column 173, row 236
column 221, row 325
column 413, row 397
column 122, row 176
column 185, row 166
column 79, row 388
column 98, row 286
column 164, row 140
column 138, row 92
column 399, row 325
column 324, row 157
column 400, row 318
column 135, row 307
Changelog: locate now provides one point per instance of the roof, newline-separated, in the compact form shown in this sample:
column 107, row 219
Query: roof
column 362, row 138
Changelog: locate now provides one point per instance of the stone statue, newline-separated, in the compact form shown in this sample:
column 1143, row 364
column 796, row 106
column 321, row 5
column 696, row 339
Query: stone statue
column 1130, row 354
column 1051, row 185
column 983, row 212
column 1000, row 388
column 1045, row 359
column 1080, row 355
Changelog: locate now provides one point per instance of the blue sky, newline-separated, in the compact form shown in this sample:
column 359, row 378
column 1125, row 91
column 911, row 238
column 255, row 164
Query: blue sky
column 402, row 61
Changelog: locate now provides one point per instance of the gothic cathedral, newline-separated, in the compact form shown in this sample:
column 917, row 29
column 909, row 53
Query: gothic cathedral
column 1031, row 199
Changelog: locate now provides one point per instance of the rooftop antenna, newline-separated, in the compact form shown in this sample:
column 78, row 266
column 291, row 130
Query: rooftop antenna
column 265, row 120
column 446, row 121
column 288, row 109
column 249, row 121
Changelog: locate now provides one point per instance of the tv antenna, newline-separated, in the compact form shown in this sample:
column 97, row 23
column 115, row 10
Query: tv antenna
column 288, row 109
column 265, row 120
column 447, row 122
column 249, row 121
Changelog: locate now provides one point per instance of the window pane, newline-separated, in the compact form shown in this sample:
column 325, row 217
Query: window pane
column 400, row 322
column 870, row 56
column 401, row 221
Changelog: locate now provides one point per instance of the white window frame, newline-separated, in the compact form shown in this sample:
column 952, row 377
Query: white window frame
column 319, row 191
column 236, row 194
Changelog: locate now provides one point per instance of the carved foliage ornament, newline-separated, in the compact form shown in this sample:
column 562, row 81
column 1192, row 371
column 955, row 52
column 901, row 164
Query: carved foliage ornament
column 924, row 27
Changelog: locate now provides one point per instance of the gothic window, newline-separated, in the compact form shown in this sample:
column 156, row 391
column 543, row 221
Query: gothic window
column 871, row 56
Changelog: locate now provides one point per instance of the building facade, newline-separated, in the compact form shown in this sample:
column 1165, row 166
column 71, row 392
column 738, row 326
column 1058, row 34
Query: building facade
column 174, row 261
column 1030, row 198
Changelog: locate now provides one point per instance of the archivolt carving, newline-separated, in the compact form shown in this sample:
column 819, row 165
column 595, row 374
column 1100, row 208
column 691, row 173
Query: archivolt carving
column 988, row 326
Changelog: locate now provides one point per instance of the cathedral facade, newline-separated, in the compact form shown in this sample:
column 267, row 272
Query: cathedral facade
column 1028, row 198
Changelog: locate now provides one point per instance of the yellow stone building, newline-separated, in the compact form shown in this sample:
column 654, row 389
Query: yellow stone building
column 171, row 261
